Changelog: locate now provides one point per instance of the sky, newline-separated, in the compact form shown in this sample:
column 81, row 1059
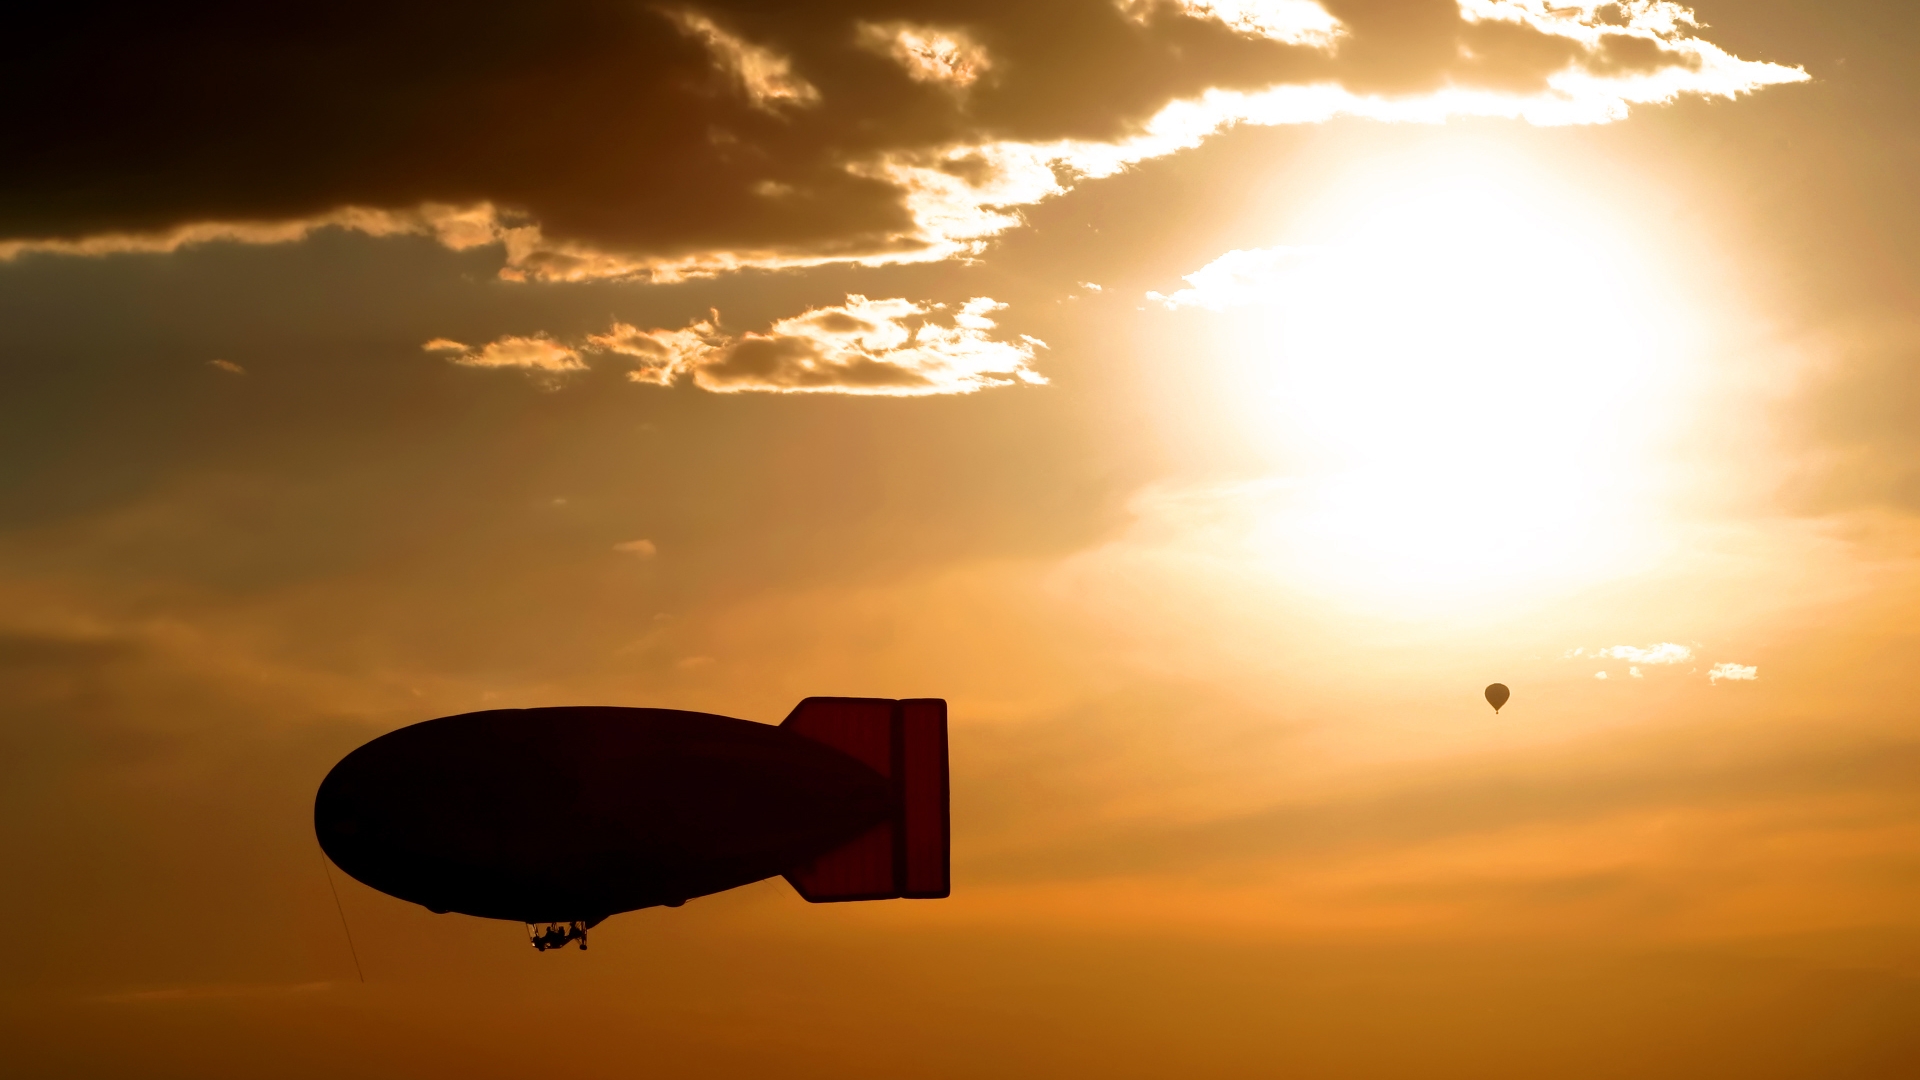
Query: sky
column 1207, row 398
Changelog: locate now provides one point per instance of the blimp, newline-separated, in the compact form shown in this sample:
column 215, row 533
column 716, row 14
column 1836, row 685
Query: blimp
column 561, row 817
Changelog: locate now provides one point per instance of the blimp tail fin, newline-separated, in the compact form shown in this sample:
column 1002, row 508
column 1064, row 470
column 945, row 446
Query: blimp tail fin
column 906, row 742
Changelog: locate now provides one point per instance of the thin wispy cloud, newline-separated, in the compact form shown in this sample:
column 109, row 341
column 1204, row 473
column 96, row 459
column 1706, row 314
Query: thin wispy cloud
column 1733, row 673
column 457, row 228
column 1236, row 279
column 889, row 348
column 1290, row 22
column 765, row 76
column 533, row 353
column 1665, row 652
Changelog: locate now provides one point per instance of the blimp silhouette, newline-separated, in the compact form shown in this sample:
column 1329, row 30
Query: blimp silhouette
column 560, row 817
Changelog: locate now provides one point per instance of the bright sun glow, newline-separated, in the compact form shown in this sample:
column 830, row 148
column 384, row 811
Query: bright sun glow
column 1462, row 380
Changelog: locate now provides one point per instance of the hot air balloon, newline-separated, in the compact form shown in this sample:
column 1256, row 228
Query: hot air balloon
column 560, row 817
column 1497, row 695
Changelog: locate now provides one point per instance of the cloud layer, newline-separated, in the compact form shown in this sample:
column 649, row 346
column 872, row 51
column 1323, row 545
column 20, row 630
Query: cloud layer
column 598, row 140
column 893, row 348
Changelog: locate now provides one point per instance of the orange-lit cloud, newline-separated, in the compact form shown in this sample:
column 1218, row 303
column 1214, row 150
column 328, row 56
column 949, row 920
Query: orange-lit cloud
column 847, row 148
column 455, row 227
column 886, row 347
column 1291, row 22
column 894, row 347
column 1235, row 279
column 928, row 54
column 765, row 76
column 660, row 356
column 1665, row 652
column 535, row 353
column 1733, row 673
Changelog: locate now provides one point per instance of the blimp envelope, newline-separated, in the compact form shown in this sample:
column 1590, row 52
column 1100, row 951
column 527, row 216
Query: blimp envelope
column 569, row 815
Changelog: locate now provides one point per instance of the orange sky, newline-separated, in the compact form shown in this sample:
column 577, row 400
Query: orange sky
column 1207, row 400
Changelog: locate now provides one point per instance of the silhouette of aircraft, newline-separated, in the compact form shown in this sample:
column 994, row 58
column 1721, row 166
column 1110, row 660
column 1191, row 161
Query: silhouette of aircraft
column 561, row 817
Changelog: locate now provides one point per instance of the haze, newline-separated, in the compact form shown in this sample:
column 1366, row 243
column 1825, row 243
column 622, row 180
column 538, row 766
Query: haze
column 1208, row 398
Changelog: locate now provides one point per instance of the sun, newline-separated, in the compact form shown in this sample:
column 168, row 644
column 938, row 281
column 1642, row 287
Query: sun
column 1465, row 379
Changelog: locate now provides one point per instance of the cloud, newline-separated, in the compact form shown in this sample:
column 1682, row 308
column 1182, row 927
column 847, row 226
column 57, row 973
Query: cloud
column 765, row 76
column 887, row 347
column 227, row 366
column 893, row 347
column 642, row 549
column 928, row 54
column 1292, row 22
column 535, row 353
column 1235, row 279
column 661, row 356
column 1665, row 652
column 454, row 227
column 1733, row 672
column 1600, row 675
column 593, row 141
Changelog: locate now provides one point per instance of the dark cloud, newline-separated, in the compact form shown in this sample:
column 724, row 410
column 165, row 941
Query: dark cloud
column 595, row 138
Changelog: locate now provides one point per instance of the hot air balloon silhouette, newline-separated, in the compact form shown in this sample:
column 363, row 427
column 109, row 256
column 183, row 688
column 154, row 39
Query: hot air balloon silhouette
column 1497, row 695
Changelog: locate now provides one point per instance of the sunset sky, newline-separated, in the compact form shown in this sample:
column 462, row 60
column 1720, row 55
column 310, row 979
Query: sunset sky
column 1208, row 398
